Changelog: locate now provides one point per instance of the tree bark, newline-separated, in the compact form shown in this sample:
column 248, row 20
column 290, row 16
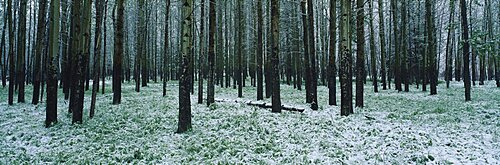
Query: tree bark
column 345, row 68
column 373, row 59
column 312, row 50
column 360, row 52
column 51, row 107
column 38, row 54
column 382, row 44
column 211, row 54
column 118, row 53
column 465, row 49
column 184, row 81
column 21, row 51
column 275, row 15
column 332, row 77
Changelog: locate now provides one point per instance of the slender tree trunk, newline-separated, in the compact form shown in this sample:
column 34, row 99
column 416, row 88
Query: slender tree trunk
column 373, row 59
column 51, row 107
column 184, row 96
column 449, row 47
column 118, row 53
column 275, row 15
column 239, row 42
column 202, row 54
column 3, row 47
column 38, row 54
column 345, row 60
column 97, row 54
column 76, row 61
column 382, row 44
column 260, row 90
column 465, row 49
column 360, row 52
column 307, row 64
column 166, row 48
column 431, row 47
column 105, row 37
column 211, row 54
column 21, row 51
column 12, row 66
column 404, row 47
column 332, row 77
column 312, row 50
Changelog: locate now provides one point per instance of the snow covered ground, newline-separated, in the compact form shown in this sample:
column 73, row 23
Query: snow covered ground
column 401, row 128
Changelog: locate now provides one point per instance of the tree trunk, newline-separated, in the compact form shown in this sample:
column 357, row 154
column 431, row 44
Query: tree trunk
column 239, row 47
column 373, row 59
column 360, row 52
column 38, row 54
column 275, row 15
column 118, row 53
column 184, row 96
column 21, row 51
column 166, row 48
column 97, row 54
column 404, row 47
column 12, row 66
column 345, row 68
column 211, row 54
column 76, row 62
column 307, row 64
column 312, row 50
column 332, row 77
column 260, row 87
column 431, row 47
column 51, row 107
column 465, row 49
column 105, row 37
column 202, row 53
column 449, row 47
column 382, row 44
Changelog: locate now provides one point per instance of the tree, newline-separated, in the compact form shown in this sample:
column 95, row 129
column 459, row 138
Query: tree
column 97, row 54
column 202, row 53
column 51, row 107
column 105, row 37
column 373, row 59
column 118, row 53
column 449, row 45
column 275, row 15
column 307, row 65
column 166, row 49
column 431, row 48
column 184, row 81
column 404, row 46
column 360, row 52
column 38, row 54
column 312, row 51
column 345, row 68
column 21, row 51
column 239, row 47
column 332, row 77
column 3, row 49
column 211, row 54
column 465, row 49
column 382, row 44
column 260, row 86
column 12, row 66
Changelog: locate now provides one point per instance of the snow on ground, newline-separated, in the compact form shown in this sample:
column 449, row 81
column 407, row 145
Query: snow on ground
column 408, row 128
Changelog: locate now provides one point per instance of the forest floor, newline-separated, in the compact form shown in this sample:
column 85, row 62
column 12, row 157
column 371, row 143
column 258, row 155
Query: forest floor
column 393, row 128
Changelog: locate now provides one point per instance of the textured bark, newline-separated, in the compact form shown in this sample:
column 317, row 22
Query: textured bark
column 21, row 51
column 97, row 54
column 312, row 51
column 275, row 15
column 166, row 48
column 211, row 54
column 38, row 54
column 118, row 53
column 239, row 47
column 201, row 60
column 345, row 68
column 397, row 59
column 260, row 87
column 51, row 106
column 431, row 46
column 466, row 49
column 105, row 37
column 184, row 81
column 76, row 62
column 373, row 59
column 382, row 45
column 12, row 66
column 360, row 52
column 332, row 77
column 307, row 66
column 3, row 49
column 66, row 48
column 404, row 46
column 139, row 51
column 449, row 45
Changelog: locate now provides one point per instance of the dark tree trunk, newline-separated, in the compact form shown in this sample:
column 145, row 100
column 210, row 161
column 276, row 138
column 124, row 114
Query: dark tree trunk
column 382, row 45
column 211, row 54
column 202, row 54
column 260, row 90
column 465, row 49
column 239, row 42
column 38, row 54
column 373, row 59
column 12, row 66
column 97, row 54
column 275, row 15
column 345, row 68
column 431, row 47
column 166, row 49
column 360, row 52
column 21, row 51
column 312, row 50
column 51, row 107
column 184, row 82
column 105, row 37
column 118, row 53
column 332, row 77
column 306, row 52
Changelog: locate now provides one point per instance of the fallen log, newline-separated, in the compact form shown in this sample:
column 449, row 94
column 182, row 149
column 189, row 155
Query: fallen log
column 262, row 105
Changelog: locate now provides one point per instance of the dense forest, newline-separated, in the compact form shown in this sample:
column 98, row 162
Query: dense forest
column 73, row 57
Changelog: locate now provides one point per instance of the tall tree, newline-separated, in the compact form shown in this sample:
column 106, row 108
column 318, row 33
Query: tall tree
column 312, row 51
column 97, row 54
column 166, row 49
column 202, row 53
column 211, row 54
column 332, row 77
column 139, row 42
column 345, row 68
column 373, row 59
column 21, row 51
column 307, row 65
column 275, row 15
column 38, row 54
column 118, row 53
column 404, row 46
column 105, row 37
column 3, row 47
column 12, row 66
column 360, row 52
column 51, row 107
column 449, row 45
column 260, row 86
column 431, row 47
column 239, row 47
column 184, row 81
column 66, row 45
column 396, row 67
column 465, row 49
column 382, row 43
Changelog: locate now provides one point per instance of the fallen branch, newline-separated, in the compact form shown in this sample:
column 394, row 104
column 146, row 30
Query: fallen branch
column 262, row 105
